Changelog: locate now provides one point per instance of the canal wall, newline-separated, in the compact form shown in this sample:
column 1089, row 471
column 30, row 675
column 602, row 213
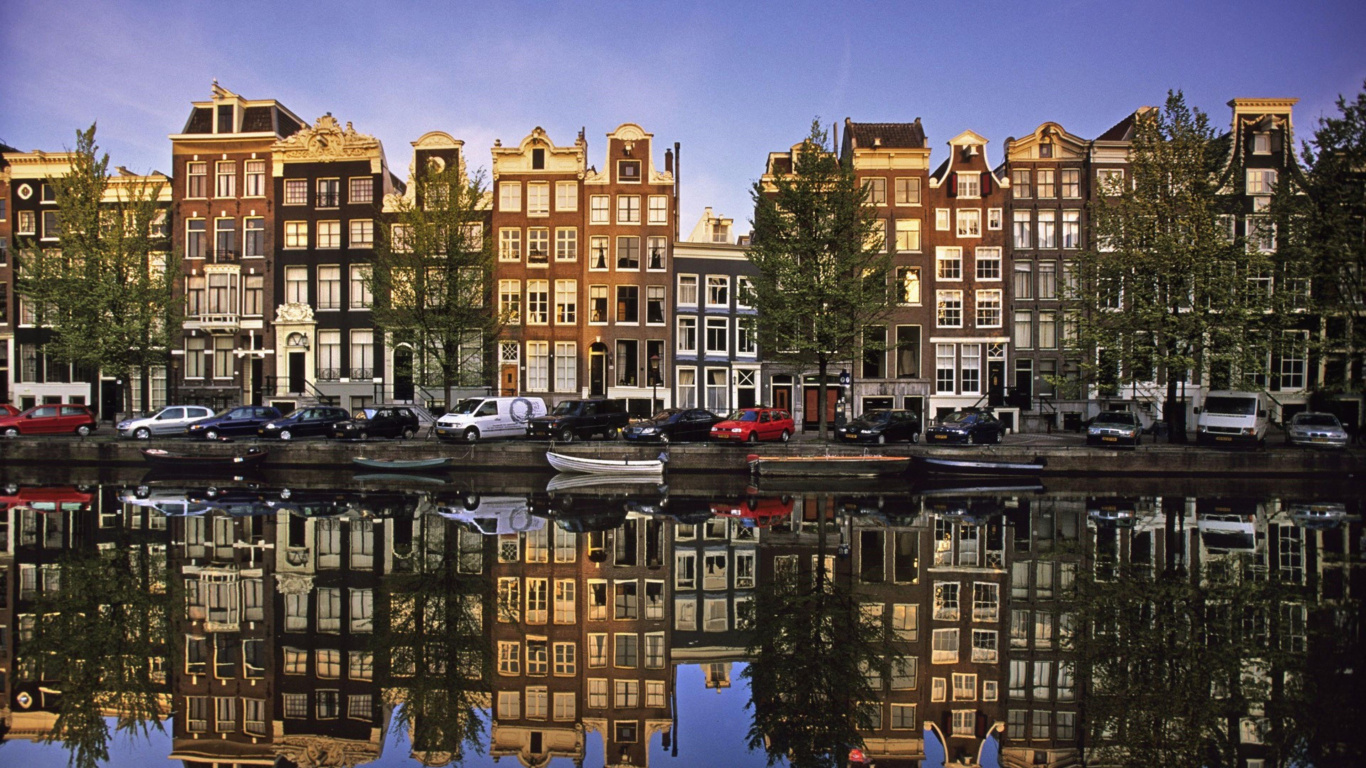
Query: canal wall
column 526, row 456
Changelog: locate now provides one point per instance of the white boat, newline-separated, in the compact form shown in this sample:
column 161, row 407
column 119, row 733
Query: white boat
column 565, row 463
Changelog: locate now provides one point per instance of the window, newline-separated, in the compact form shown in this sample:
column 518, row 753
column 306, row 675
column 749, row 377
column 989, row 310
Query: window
column 1071, row 183
column 964, row 687
column 971, row 381
column 510, row 196
column 327, row 663
column 1019, row 181
column 907, row 190
column 908, row 235
column 687, row 290
column 941, row 219
column 939, row 689
column 597, row 693
column 949, row 309
column 970, row 222
column 717, row 332
column 566, row 244
column 25, row 223
column 597, row 304
column 296, row 192
column 628, row 304
column 509, row 705
column 877, row 190
column 944, row 646
column 361, row 190
column 1045, row 186
column 687, row 335
column 253, row 295
column 537, row 302
column 984, row 645
column 1261, row 181
column 746, row 337
column 225, row 714
column 903, row 717
column 329, row 287
column 196, row 179
column 1293, row 359
column 1024, row 335
column 718, row 291
column 598, row 210
column 597, row 253
column 627, row 654
column 946, row 600
column 949, row 263
column 944, row 359
column 222, row 357
column 988, row 263
column 225, row 179
column 509, row 657
column 538, row 198
column 1024, row 280
column 659, row 209
column 1071, row 229
column 510, row 244
column 361, row 297
column 329, row 235
column 537, row 656
column 627, row 363
column 1110, row 181
column 964, row 722
column 1261, row 234
column 296, row 234
column 969, row 184
column 628, row 253
column 628, row 171
column 1047, row 229
column 566, row 195
column 989, row 309
column 362, row 354
column 225, row 239
column 656, row 248
column 329, row 193
column 566, row 659
column 628, row 209
column 52, row 226
column 908, row 285
column 196, row 236
column 654, row 304
column 1048, row 280
column 1021, row 231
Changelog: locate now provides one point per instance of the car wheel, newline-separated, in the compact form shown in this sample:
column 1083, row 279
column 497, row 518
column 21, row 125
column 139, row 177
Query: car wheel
column 142, row 491
column 786, row 436
column 471, row 435
column 286, row 435
column 363, row 435
column 11, row 432
column 1000, row 435
column 753, row 436
column 972, row 438
column 83, row 430
column 915, row 437
column 566, row 435
column 142, row 433
column 664, row 437
column 881, row 439
column 408, row 433
column 211, row 434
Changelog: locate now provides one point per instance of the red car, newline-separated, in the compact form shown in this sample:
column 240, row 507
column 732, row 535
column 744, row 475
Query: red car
column 750, row 425
column 8, row 410
column 50, row 420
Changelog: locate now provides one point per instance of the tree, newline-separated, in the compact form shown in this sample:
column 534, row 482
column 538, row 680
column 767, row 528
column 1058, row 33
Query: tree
column 822, row 274
column 1165, row 289
column 1333, row 216
column 431, row 275
column 106, row 290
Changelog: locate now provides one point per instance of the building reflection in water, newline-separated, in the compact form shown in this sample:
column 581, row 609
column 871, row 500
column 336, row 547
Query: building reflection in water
column 303, row 626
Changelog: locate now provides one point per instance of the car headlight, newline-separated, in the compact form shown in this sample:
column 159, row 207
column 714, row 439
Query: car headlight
column 647, row 430
column 1248, row 431
column 736, row 430
column 123, row 425
column 865, row 431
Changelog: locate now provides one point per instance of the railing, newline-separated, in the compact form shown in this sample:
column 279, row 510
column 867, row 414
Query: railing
column 362, row 373
column 224, row 256
column 330, row 374
column 217, row 320
column 538, row 257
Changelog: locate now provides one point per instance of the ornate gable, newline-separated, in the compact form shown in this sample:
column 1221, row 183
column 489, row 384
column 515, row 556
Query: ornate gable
column 327, row 140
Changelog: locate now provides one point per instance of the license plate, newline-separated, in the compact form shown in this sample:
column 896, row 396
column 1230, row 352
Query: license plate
column 1320, row 440
column 1224, row 439
column 1110, row 439
column 941, row 437
column 848, row 436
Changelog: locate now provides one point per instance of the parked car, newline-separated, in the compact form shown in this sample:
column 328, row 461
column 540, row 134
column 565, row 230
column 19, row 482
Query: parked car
column 8, row 410
column 480, row 417
column 233, row 422
column 1314, row 428
column 578, row 419
column 305, row 422
column 881, row 426
column 966, row 425
column 673, row 425
column 1230, row 418
column 170, row 420
column 50, row 420
column 385, row 421
column 1114, row 428
column 750, row 425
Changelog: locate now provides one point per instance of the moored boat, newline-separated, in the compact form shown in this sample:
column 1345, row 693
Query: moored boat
column 827, row 466
column 938, row 466
column 401, row 465
column 567, row 463
column 187, row 462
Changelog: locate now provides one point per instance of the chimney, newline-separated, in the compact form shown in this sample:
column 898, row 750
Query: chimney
column 668, row 161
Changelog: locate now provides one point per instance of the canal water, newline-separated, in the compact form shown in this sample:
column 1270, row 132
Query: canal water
column 315, row 619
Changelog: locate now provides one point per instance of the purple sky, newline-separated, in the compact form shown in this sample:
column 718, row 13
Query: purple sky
column 731, row 81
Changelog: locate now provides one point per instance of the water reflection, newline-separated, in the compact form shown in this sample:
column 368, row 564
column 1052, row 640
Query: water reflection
column 1097, row 622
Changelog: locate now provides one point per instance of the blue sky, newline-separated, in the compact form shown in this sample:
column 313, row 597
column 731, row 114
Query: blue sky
column 730, row 81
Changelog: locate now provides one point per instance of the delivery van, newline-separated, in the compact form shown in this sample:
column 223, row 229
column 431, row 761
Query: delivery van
column 1232, row 418
column 486, row 417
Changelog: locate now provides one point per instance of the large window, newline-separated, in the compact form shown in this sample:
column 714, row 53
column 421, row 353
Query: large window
column 944, row 359
column 329, row 287
column 566, row 244
column 296, row 285
column 988, row 263
column 908, row 285
column 362, row 190
column 510, row 244
column 717, row 333
column 566, row 195
column 970, row 222
column 1071, row 229
column 597, row 304
column 989, row 309
column 628, row 252
column 877, row 190
column 296, row 234
column 1047, row 229
column 944, row 647
column 1046, row 183
column 628, row 209
column 296, row 192
column 654, row 304
column 361, row 297
column 537, row 302
column 510, row 301
column 329, row 193
column 1022, row 231
column 969, row 184
column 1071, row 183
column 971, row 376
column 907, row 190
column 718, row 291
column 362, row 354
column 196, row 179
column 908, row 235
column 566, row 302
column 510, row 196
column 225, row 178
column 949, row 263
column 949, row 309
column 598, row 212
column 687, row 334
column 538, row 198
column 628, row 304
column 659, row 209
column 687, row 290
column 566, row 368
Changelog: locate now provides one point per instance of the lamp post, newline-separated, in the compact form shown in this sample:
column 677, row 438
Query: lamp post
column 654, row 383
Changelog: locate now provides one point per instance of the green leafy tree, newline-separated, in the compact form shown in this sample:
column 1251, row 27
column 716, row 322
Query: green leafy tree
column 822, row 274
column 1165, row 290
column 105, row 289
column 431, row 277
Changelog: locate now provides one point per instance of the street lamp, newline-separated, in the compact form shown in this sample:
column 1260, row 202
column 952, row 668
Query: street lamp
column 654, row 383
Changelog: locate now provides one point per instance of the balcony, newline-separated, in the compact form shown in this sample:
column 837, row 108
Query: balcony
column 537, row 256
column 217, row 321
column 225, row 256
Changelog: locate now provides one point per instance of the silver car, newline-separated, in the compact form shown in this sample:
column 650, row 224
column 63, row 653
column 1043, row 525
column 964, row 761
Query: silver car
column 171, row 420
column 1315, row 428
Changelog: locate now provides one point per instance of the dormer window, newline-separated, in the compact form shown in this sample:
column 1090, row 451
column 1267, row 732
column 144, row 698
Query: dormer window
column 538, row 159
column 1046, row 150
column 225, row 119
column 969, row 184
column 1261, row 143
column 628, row 171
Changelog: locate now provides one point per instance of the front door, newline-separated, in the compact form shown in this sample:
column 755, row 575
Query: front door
column 257, row 379
column 782, row 397
column 296, row 372
column 811, row 417
column 508, row 380
column 597, row 372
column 403, row 374
column 996, row 383
column 111, row 398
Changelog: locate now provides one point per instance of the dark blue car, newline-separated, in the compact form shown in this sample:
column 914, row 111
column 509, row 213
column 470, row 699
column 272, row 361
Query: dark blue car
column 966, row 425
column 234, row 422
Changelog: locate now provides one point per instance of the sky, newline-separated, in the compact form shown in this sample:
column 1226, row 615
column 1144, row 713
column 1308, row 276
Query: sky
column 728, row 81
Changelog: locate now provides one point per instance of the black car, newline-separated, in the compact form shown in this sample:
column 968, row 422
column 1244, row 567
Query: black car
column 305, row 422
column 966, row 425
column 389, row 421
column 579, row 419
column 881, row 426
column 673, row 424
column 234, row 422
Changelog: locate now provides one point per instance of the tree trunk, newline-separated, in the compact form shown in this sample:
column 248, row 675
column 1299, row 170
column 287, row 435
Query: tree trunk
column 820, row 395
column 1174, row 411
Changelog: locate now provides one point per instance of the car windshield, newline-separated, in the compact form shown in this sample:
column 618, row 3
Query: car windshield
column 466, row 407
column 567, row 408
column 1114, row 417
column 744, row 416
column 957, row 417
column 1317, row 420
column 665, row 416
column 1231, row 406
column 876, row 417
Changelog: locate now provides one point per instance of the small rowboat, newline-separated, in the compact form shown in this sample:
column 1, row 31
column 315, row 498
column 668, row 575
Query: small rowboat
column 986, row 468
column 400, row 465
column 827, row 466
column 566, row 463
column 184, row 462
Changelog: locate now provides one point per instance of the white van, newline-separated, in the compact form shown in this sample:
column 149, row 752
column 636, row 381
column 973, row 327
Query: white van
column 480, row 417
column 1230, row 418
